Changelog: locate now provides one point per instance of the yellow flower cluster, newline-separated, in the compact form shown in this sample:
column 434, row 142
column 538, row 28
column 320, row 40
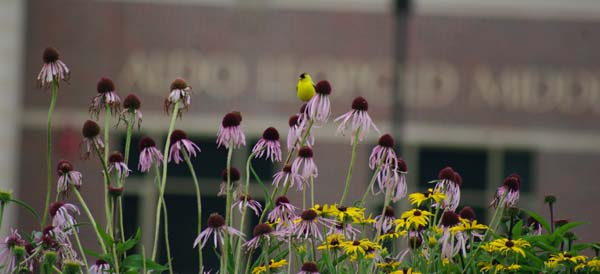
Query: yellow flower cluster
column 496, row 267
column 563, row 257
column 272, row 265
column 419, row 198
column 505, row 246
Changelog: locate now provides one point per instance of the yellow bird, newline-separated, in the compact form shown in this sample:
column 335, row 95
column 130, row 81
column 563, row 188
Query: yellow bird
column 305, row 87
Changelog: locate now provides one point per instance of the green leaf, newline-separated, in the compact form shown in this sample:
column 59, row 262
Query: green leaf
column 262, row 186
column 539, row 219
column 564, row 228
column 134, row 262
column 131, row 242
column 26, row 206
column 517, row 229
column 108, row 240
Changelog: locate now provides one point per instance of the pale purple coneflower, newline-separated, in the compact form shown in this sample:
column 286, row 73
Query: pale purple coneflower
column 383, row 153
column 346, row 229
column 535, row 228
column 262, row 232
column 400, row 188
column 319, row 106
column 304, row 163
column 180, row 91
column 507, row 195
column 180, row 141
column 285, row 175
column 385, row 222
column 449, row 183
column 53, row 68
column 107, row 98
column 7, row 257
column 268, row 145
column 309, row 268
column 245, row 200
column 234, row 176
column 132, row 104
column 307, row 225
column 357, row 119
column 230, row 132
column 216, row 229
column 283, row 213
column 67, row 176
column 117, row 162
column 452, row 243
column 62, row 216
column 100, row 267
column 149, row 154
column 393, row 180
column 91, row 138
column 297, row 129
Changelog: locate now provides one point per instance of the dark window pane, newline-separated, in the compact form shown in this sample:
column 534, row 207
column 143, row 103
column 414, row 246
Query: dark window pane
column 130, row 215
column 470, row 163
column 209, row 163
column 263, row 168
column 183, row 231
column 520, row 162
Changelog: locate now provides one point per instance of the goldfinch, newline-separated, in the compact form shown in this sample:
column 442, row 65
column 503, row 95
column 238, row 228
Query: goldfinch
column 305, row 87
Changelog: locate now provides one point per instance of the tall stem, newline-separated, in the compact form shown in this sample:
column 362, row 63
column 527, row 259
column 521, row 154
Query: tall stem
column 106, row 174
column 49, row 149
column 80, row 248
column 164, row 176
column 242, row 222
column 157, row 224
column 167, row 244
column 225, row 254
column 198, row 202
column 350, row 167
column 122, row 181
column 90, row 216
column 2, row 205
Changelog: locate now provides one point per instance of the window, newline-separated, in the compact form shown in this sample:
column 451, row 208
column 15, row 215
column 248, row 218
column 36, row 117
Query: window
column 520, row 162
column 470, row 163
column 209, row 164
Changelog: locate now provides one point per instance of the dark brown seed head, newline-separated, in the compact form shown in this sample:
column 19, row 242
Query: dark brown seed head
column 355, row 243
column 90, row 129
column 287, row 168
column 386, row 140
column 509, row 244
column 310, row 267
column 281, row 200
column 446, row 173
column 262, row 229
column 115, row 157
column 232, row 119
column 457, row 179
column 235, row 174
column 512, row 183
column 100, row 262
column 467, row 213
column 417, row 213
column 323, row 87
column 450, row 218
column 308, row 215
column 54, row 207
column 178, row 135
column 146, row 142
column 178, row 83
column 132, row 102
column 50, row 55
column 305, row 152
column 293, row 121
column 271, row 134
column 105, row 85
column 389, row 212
column 341, row 208
column 360, row 104
column 215, row 220
column 63, row 167
column 402, row 165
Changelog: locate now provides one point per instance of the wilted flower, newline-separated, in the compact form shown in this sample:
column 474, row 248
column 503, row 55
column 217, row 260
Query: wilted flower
column 100, row 267
column 107, row 98
column 67, row 176
column 62, row 216
column 179, row 91
column 285, row 175
column 234, row 176
column 449, row 183
column 117, row 162
column 53, row 68
column 132, row 104
column 262, row 232
column 268, row 145
column 507, row 195
column 246, row 200
column 216, row 229
column 357, row 119
column 180, row 141
column 149, row 154
column 91, row 138
column 7, row 257
column 230, row 132
column 304, row 163
column 319, row 106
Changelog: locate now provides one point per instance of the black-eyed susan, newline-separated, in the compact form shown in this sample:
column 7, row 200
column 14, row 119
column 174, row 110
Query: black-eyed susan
column 332, row 242
column 405, row 270
column 497, row 267
column 342, row 213
column 564, row 258
column 392, row 235
column 419, row 198
column 505, row 246
column 271, row 266
column 592, row 266
column 415, row 218
column 359, row 247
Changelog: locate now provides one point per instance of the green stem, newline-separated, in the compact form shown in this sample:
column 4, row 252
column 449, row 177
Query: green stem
column 122, row 182
column 90, row 216
column 164, row 176
column 106, row 174
column 80, row 249
column 2, row 205
column 312, row 191
column 364, row 198
column 157, row 228
column 350, row 167
column 49, row 149
column 167, row 244
column 228, row 201
column 198, row 202
column 238, row 250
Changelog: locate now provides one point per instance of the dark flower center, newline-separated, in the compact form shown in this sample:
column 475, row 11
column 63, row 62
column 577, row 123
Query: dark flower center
column 132, row 102
column 146, row 142
column 449, row 219
column 389, row 212
column 323, row 87
column 115, row 157
column 467, row 213
column 90, row 129
column 402, row 165
column 310, row 267
column 355, row 243
column 334, row 242
column 446, row 173
column 417, row 213
column 50, row 55
column 509, row 244
column 215, row 220
column 281, row 200
column 54, row 207
column 308, row 215
column 177, row 136
column 262, row 229
column 100, row 262
column 178, row 83
column 234, row 174
column 287, row 168
column 271, row 134
column 386, row 140
column 293, row 121
column 360, row 104
column 342, row 208
column 232, row 119
column 245, row 197
column 47, row 229
column 63, row 167
column 457, row 179
column 105, row 85
column 512, row 183
column 305, row 152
